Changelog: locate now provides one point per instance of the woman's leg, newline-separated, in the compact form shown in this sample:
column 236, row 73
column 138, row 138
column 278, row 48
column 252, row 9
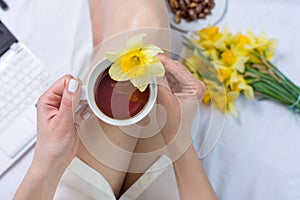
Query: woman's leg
column 121, row 16
column 110, row 18
column 96, row 20
column 149, row 150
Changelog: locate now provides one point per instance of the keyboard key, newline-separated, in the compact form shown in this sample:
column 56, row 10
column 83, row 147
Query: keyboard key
column 14, row 137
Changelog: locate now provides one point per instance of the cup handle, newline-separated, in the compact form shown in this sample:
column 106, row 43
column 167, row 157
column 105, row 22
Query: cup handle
column 83, row 93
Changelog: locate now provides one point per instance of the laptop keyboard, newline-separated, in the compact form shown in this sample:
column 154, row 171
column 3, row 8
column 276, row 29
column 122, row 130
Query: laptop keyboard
column 21, row 83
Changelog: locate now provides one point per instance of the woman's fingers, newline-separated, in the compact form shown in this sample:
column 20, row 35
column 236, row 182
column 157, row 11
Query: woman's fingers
column 165, row 96
column 188, row 84
column 51, row 99
column 176, row 69
column 70, row 101
column 61, row 99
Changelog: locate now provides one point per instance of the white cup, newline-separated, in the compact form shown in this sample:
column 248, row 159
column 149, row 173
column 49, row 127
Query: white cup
column 88, row 94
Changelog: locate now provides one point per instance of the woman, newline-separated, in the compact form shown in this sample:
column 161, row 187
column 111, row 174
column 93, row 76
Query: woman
column 58, row 141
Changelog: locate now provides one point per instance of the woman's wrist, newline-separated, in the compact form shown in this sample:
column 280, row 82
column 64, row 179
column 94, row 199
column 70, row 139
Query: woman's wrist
column 40, row 181
column 46, row 163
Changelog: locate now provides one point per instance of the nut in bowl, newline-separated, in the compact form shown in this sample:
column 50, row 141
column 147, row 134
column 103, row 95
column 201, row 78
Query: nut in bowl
column 192, row 15
column 190, row 10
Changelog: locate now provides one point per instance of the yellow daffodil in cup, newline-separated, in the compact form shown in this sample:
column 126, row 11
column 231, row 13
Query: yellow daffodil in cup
column 137, row 63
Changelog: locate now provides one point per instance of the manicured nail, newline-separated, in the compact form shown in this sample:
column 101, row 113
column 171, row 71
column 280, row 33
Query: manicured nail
column 86, row 116
column 73, row 85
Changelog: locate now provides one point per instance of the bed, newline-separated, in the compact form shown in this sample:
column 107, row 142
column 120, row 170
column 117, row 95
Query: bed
column 256, row 155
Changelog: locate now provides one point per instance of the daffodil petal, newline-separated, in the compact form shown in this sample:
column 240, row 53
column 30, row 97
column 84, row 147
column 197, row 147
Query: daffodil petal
column 155, row 69
column 135, row 42
column 113, row 56
column 116, row 73
column 240, row 63
column 232, row 96
column 152, row 50
column 249, row 93
column 141, row 82
column 232, row 109
column 143, row 88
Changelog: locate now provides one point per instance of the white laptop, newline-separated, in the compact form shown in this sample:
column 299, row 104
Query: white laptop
column 23, row 78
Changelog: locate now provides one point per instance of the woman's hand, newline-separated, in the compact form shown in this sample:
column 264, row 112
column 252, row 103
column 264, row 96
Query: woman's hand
column 57, row 139
column 180, row 94
column 180, row 97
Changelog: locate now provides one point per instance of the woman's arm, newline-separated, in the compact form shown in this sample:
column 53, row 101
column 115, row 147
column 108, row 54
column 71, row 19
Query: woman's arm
column 191, row 178
column 180, row 104
column 181, row 108
column 40, row 181
column 57, row 140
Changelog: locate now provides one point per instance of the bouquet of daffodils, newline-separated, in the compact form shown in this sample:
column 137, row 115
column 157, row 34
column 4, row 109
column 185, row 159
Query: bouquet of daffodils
column 234, row 64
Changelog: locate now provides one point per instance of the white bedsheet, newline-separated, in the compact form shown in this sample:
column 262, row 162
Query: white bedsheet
column 257, row 156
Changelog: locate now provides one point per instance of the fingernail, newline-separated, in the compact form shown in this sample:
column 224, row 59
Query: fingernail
column 73, row 85
column 86, row 116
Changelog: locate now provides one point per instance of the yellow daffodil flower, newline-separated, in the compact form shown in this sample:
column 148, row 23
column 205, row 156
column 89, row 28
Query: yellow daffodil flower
column 210, row 38
column 215, row 94
column 225, row 73
column 238, row 84
column 231, row 58
column 137, row 63
column 247, row 43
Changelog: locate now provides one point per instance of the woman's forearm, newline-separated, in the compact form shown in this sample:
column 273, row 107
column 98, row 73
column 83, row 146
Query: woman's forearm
column 191, row 178
column 40, row 182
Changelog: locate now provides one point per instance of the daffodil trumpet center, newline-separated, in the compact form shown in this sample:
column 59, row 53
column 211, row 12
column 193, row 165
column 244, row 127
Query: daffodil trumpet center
column 132, row 63
column 136, row 63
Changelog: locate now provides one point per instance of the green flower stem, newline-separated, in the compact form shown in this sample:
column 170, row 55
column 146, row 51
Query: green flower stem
column 275, row 91
column 279, row 87
column 290, row 83
column 258, row 87
column 278, row 73
column 283, row 84
column 267, row 91
column 272, row 83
